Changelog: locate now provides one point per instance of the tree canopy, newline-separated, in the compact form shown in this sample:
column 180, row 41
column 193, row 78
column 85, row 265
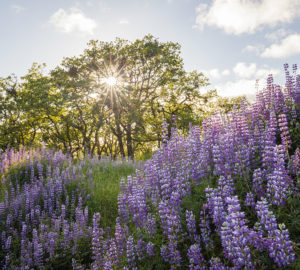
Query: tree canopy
column 112, row 99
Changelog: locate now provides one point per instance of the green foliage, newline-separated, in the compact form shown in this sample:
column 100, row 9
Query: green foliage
column 73, row 109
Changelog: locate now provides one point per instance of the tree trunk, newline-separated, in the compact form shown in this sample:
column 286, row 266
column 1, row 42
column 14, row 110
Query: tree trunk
column 120, row 141
column 130, row 151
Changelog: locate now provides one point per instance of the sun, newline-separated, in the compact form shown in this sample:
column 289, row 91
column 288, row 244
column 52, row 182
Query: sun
column 111, row 81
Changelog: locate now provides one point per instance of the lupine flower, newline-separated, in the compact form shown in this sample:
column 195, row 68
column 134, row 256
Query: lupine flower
column 216, row 264
column 284, row 129
column 234, row 236
column 140, row 249
column 164, row 253
column 258, row 183
column 278, row 186
column 205, row 229
column 249, row 200
column 150, row 249
column 130, row 254
column 215, row 206
column 279, row 245
column 196, row 260
column 96, row 244
column 8, row 243
column 191, row 226
column 41, row 215
column 112, row 256
column 37, row 250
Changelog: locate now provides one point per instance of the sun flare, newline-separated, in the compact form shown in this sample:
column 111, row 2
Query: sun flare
column 111, row 81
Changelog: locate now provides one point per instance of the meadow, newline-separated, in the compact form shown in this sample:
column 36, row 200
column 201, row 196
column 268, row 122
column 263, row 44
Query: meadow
column 224, row 197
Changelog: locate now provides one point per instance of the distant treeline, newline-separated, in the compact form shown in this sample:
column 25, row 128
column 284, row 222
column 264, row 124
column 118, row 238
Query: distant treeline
column 111, row 100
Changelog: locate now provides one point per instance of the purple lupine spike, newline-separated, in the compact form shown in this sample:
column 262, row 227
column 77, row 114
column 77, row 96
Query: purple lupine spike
column 108, row 265
column 2, row 209
column 196, row 259
column 216, row 264
column 3, row 237
column 9, row 221
column 24, row 231
column 216, row 206
column 140, row 249
column 284, row 130
column 258, row 183
column 77, row 266
column 66, row 234
column 130, row 254
column 164, row 253
column 49, row 171
column 249, row 200
column 86, row 215
column 6, row 262
column 63, row 211
column 173, row 224
column 8, row 243
column 165, row 132
column 226, row 186
column 163, row 212
column 151, row 225
column 278, row 186
column 268, row 153
column 205, row 229
column 191, row 226
column 120, row 237
column 175, row 258
column 273, row 127
column 122, row 207
column 51, row 244
column 96, row 244
column 150, row 249
column 12, row 191
column 37, row 249
column 6, row 197
column 234, row 236
column 112, row 257
column 278, row 242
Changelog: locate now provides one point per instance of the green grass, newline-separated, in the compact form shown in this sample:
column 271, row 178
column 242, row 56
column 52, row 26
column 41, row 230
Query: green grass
column 105, row 189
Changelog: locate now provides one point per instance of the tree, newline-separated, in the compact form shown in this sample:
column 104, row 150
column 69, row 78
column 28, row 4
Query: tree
column 150, row 84
column 112, row 99
column 17, row 127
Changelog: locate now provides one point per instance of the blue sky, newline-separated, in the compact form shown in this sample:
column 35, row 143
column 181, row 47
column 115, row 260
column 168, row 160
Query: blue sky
column 233, row 42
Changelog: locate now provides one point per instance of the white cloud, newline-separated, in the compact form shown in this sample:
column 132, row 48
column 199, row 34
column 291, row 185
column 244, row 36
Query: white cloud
column 253, row 48
column 246, row 16
column 215, row 73
column 250, row 71
column 243, row 70
column 245, row 82
column 287, row 47
column 237, row 88
column 263, row 73
column 225, row 72
column 73, row 21
column 276, row 35
column 17, row 8
column 124, row 21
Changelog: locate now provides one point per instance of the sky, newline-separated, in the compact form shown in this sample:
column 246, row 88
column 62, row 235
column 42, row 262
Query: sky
column 233, row 42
